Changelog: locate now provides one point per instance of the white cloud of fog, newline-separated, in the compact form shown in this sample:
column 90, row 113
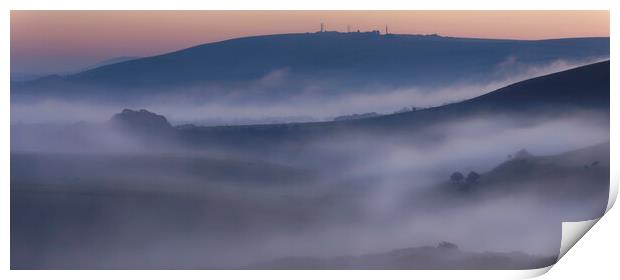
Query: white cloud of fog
column 501, row 225
column 274, row 78
column 397, row 165
column 51, row 111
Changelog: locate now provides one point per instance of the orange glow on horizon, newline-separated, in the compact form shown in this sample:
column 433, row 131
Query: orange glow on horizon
column 97, row 35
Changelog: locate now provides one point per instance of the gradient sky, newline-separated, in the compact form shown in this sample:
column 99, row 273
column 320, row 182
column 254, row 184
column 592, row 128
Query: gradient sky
column 63, row 41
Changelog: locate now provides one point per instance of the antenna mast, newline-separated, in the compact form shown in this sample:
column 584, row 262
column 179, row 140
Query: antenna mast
column 322, row 27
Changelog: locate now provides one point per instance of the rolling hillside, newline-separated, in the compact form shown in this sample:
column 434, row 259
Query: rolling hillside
column 584, row 89
column 339, row 60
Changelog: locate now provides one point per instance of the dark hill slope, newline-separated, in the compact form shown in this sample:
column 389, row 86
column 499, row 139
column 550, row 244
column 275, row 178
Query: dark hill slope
column 579, row 175
column 585, row 88
column 574, row 179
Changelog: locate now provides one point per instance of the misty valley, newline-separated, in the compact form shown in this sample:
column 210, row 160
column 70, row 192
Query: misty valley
column 480, row 178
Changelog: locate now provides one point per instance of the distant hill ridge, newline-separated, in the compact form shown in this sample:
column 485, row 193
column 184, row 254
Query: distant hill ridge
column 348, row 60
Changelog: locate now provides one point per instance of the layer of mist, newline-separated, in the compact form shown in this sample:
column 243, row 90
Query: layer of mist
column 133, row 205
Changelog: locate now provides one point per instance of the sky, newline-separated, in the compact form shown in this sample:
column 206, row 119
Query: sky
column 46, row 42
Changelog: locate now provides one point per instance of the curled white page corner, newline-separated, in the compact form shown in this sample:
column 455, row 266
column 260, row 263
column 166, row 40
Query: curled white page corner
column 532, row 273
column 572, row 232
column 613, row 189
column 614, row 175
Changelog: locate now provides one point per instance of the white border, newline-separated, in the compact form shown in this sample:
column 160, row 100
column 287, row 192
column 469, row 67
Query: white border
column 582, row 267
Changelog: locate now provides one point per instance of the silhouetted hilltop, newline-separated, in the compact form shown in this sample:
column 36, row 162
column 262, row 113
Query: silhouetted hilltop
column 352, row 60
column 148, row 126
column 109, row 61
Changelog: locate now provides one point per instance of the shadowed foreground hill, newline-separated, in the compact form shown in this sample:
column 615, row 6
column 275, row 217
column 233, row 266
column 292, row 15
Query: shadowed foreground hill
column 578, row 178
column 591, row 161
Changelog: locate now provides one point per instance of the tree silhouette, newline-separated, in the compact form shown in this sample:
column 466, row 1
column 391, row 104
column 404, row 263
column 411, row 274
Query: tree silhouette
column 447, row 245
column 472, row 177
column 457, row 177
column 523, row 153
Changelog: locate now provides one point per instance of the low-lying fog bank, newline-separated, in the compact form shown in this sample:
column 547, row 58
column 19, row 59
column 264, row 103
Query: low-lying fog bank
column 276, row 98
